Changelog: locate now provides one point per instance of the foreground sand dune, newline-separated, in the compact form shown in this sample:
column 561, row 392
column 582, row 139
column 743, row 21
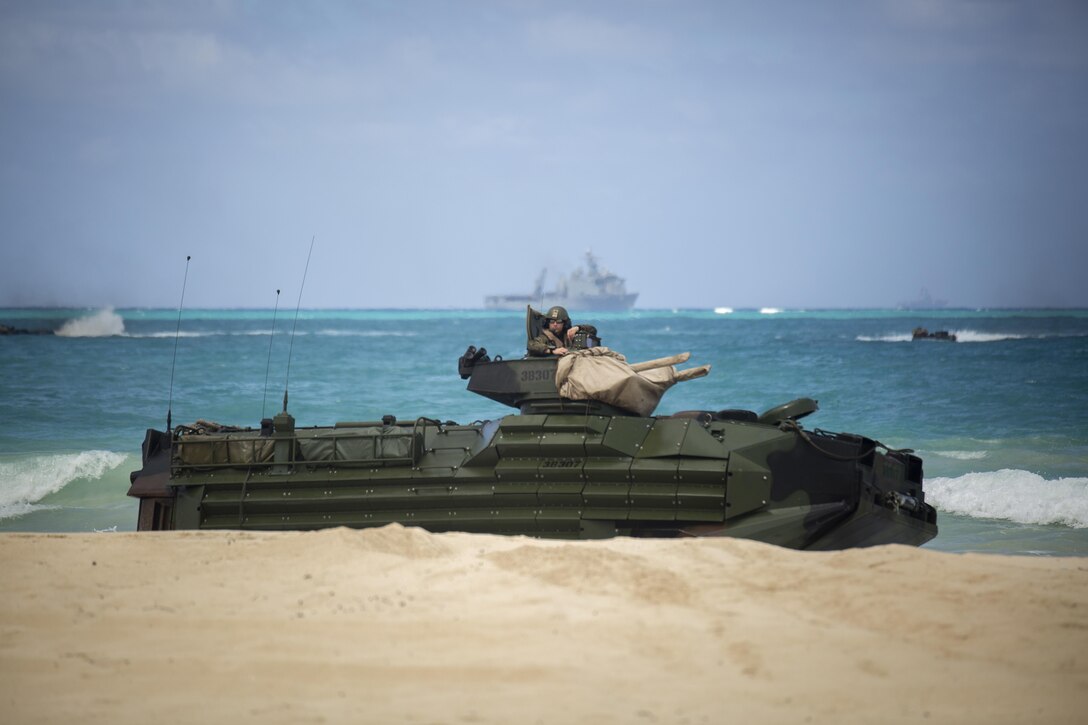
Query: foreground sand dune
column 398, row 625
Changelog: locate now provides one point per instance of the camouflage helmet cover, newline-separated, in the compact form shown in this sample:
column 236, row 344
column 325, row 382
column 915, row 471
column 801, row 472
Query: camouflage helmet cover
column 558, row 313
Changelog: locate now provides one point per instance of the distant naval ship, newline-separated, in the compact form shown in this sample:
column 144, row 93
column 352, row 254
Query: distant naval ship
column 924, row 302
column 590, row 288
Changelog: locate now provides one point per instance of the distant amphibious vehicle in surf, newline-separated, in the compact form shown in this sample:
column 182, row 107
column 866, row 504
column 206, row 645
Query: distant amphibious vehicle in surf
column 584, row 456
column 921, row 333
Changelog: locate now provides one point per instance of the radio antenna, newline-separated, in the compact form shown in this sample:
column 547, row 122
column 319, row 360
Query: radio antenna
column 177, row 334
column 268, row 365
column 291, row 347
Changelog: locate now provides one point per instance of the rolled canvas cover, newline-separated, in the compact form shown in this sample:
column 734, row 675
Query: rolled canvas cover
column 604, row 375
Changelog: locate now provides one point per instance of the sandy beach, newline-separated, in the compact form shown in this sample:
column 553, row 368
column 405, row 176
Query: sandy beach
column 399, row 625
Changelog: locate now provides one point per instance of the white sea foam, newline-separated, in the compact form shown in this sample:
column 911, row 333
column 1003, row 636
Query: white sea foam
column 171, row 334
column 904, row 337
column 723, row 310
column 769, row 310
column 181, row 333
column 104, row 323
column 976, row 336
column 961, row 336
column 26, row 481
column 962, row 455
column 1019, row 496
column 365, row 333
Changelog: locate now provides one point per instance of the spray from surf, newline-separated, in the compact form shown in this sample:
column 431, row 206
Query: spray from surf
column 27, row 480
column 104, row 323
column 1014, row 495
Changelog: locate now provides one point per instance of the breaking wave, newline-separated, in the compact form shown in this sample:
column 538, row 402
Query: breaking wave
column 963, row 455
column 104, row 323
column 1013, row 495
column 365, row 333
column 906, row 337
column 975, row 336
column 28, row 480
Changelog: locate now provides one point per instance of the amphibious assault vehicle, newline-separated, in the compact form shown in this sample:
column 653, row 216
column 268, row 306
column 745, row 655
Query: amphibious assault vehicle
column 583, row 457
column 921, row 333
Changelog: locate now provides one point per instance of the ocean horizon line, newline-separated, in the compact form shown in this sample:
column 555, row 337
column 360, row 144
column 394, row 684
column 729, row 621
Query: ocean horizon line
column 767, row 309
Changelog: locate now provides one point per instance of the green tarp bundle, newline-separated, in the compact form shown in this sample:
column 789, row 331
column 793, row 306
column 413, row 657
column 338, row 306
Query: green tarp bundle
column 384, row 445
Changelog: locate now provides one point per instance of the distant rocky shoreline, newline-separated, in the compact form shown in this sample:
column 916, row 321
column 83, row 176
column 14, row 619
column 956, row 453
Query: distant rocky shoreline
column 8, row 330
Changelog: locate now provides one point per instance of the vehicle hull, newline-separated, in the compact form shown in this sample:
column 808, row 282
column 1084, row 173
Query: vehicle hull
column 561, row 475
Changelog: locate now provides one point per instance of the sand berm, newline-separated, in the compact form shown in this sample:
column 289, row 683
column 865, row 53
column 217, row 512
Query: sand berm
column 396, row 625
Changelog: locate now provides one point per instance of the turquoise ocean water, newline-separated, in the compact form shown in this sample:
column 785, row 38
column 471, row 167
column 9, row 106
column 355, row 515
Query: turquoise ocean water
column 1000, row 417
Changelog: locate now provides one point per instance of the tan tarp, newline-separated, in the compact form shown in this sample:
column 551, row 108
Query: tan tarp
column 601, row 374
column 242, row 449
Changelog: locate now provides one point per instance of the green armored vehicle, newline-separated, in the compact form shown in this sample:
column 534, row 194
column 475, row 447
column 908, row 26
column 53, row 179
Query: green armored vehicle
column 584, row 457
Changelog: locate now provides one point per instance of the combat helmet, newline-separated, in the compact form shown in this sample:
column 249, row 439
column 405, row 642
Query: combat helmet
column 558, row 313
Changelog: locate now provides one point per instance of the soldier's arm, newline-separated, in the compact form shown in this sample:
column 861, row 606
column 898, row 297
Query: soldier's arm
column 537, row 348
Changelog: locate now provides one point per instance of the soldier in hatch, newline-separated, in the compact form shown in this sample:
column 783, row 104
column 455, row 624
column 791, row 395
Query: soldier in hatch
column 558, row 336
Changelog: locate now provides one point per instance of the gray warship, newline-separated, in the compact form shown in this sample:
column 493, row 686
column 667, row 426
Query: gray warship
column 515, row 301
column 925, row 301
column 584, row 456
column 590, row 288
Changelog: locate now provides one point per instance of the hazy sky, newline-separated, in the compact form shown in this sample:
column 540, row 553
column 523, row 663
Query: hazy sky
column 790, row 154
